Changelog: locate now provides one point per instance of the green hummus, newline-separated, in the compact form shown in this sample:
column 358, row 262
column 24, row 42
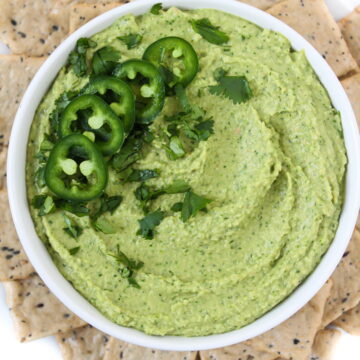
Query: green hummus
column 274, row 169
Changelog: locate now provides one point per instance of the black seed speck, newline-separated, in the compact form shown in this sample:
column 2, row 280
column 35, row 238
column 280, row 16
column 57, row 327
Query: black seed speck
column 296, row 341
column 13, row 22
column 40, row 305
column 8, row 257
column 55, row 28
column 23, row 35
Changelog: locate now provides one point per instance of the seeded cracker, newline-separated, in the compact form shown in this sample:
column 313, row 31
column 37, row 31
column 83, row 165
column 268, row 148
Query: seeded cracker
column 117, row 349
column 80, row 14
column 14, row 263
column 239, row 352
column 294, row 337
column 352, row 88
column 34, row 28
column 35, row 311
column 261, row 4
column 16, row 73
column 350, row 29
column 324, row 344
column 312, row 19
column 345, row 293
column 85, row 343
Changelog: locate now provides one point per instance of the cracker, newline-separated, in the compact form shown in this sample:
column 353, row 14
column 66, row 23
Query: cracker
column 36, row 312
column 294, row 337
column 345, row 293
column 324, row 344
column 117, row 349
column 80, row 14
column 261, row 4
column 239, row 352
column 14, row 263
column 349, row 27
column 350, row 321
column 34, row 28
column 16, row 73
column 85, row 343
column 352, row 88
column 312, row 19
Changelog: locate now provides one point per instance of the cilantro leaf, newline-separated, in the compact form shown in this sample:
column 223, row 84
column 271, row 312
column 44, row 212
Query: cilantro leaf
column 192, row 205
column 76, row 208
column 235, row 88
column 155, row 9
column 105, row 204
column 131, row 40
column 60, row 104
column 44, row 203
column 77, row 57
column 175, row 150
column 72, row 228
column 74, row 251
column 104, row 226
column 182, row 97
column 142, row 175
column 204, row 129
column 104, row 60
column 128, row 155
column 209, row 32
column 130, row 266
column 149, row 223
column 40, row 176
column 177, row 207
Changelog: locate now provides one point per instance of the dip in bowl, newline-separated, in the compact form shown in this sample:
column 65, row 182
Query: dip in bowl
column 186, row 173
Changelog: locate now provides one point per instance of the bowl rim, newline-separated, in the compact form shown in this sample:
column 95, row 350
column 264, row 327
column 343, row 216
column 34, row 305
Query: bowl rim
column 38, row 254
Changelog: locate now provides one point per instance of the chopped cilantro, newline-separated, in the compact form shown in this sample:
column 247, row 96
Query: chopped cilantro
column 77, row 57
column 74, row 207
column 209, row 32
column 204, row 129
column 60, row 104
column 104, row 226
column 182, row 97
column 142, row 175
column 192, row 205
column 130, row 266
column 72, row 228
column 175, row 150
column 149, row 223
column 131, row 40
column 128, row 155
column 44, row 203
column 40, row 176
column 156, row 8
column 177, row 207
column 104, row 60
column 235, row 88
column 74, row 250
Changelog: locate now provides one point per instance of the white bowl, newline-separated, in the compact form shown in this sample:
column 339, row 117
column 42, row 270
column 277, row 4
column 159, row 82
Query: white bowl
column 61, row 287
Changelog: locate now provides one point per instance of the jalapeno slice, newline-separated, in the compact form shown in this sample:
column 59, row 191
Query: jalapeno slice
column 91, row 114
column 176, row 55
column 76, row 169
column 118, row 95
column 148, row 86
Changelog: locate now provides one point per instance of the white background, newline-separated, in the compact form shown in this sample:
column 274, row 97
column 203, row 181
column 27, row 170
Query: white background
column 348, row 347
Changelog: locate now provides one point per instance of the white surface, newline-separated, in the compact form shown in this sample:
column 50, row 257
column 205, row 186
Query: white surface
column 348, row 347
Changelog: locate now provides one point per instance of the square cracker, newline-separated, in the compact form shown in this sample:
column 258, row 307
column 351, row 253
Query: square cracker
column 16, row 72
column 324, row 344
column 345, row 293
column 36, row 312
column 239, row 351
column 350, row 321
column 14, row 263
column 293, row 339
column 261, row 4
column 350, row 28
column 80, row 14
column 352, row 88
column 117, row 349
column 312, row 19
column 33, row 28
column 85, row 343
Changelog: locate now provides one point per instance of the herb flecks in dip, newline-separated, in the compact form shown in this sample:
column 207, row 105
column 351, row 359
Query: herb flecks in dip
column 262, row 189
